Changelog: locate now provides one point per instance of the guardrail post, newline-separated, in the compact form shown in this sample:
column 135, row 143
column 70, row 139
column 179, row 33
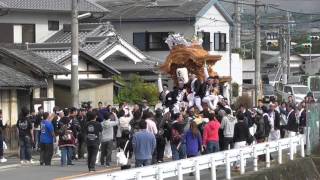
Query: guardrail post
column 302, row 146
column 291, row 148
column 242, row 161
column 267, row 156
column 279, row 153
column 228, row 168
column 138, row 176
column 213, row 169
column 160, row 174
column 255, row 159
column 197, row 170
column 179, row 171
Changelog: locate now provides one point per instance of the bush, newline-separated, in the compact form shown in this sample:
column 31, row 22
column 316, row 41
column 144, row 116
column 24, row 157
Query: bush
column 135, row 90
column 243, row 100
column 235, row 90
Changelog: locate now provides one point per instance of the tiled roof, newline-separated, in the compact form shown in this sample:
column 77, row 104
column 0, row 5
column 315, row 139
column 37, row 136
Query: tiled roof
column 29, row 58
column 132, row 10
column 51, row 5
column 166, row 9
column 122, row 64
column 96, row 39
column 13, row 78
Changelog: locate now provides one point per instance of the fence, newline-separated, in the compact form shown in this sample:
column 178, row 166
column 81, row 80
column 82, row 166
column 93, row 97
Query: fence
column 185, row 166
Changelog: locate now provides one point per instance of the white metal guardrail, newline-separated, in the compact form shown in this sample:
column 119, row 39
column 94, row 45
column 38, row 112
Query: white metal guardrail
column 185, row 166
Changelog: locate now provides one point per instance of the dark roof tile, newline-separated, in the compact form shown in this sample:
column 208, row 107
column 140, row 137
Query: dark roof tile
column 51, row 5
column 95, row 40
column 29, row 58
column 13, row 78
column 165, row 9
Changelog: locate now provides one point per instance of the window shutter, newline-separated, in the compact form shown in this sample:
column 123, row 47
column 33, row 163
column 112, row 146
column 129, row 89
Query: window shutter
column 223, row 42
column 140, row 40
column 206, row 40
column 216, row 41
column 220, row 41
column 6, row 31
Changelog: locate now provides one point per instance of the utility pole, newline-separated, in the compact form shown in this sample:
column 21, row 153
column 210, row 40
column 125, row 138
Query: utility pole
column 75, row 54
column 258, row 50
column 284, row 64
column 288, row 45
column 237, row 25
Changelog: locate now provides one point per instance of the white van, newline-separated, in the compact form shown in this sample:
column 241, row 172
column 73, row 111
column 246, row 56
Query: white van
column 298, row 92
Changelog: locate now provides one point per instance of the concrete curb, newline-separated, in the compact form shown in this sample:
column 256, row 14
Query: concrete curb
column 35, row 162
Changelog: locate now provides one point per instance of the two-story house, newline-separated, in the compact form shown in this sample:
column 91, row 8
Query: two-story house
column 146, row 25
column 35, row 20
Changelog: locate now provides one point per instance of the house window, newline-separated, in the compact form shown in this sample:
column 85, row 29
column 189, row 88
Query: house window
column 154, row 41
column 43, row 93
column 220, row 41
column 24, row 33
column 247, row 81
column 206, row 40
column 17, row 33
column 53, row 25
column 157, row 41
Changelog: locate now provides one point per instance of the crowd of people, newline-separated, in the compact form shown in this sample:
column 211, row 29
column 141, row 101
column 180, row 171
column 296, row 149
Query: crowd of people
column 180, row 131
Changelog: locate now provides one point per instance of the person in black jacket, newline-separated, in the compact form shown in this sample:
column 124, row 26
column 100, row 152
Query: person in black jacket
column 292, row 125
column 241, row 134
column 82, row 119
column 263, row 125
column 93, row 133
column 247, row 115
column 25, row 132
column 195, row 88
column 36, row 126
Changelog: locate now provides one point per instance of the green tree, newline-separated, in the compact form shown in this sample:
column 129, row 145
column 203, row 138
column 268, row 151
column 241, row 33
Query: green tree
column 135, row 90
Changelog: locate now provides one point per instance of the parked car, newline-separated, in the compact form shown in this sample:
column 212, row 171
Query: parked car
column 268, row 93
column 298, row 92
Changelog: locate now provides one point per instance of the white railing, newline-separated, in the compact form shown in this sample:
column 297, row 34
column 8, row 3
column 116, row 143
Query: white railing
column 185, row 166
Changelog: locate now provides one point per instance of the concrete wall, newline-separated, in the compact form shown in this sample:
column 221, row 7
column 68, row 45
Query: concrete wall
column 63, row 96
column 103, row 93
column 39, row 19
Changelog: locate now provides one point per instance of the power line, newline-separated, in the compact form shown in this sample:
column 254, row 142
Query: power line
column 294, row 12
column 273, row 6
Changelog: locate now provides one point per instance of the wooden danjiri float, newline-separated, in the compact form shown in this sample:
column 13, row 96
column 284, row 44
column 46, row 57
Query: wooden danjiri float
column 190, row 56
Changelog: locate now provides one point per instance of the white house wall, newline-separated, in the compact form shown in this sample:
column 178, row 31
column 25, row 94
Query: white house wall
column 82, row 67
column 39, row 19
column 212, row 21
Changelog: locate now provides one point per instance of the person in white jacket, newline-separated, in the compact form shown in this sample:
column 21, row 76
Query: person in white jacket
column 124, row 121
column 107, row 138
column 227, row 124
